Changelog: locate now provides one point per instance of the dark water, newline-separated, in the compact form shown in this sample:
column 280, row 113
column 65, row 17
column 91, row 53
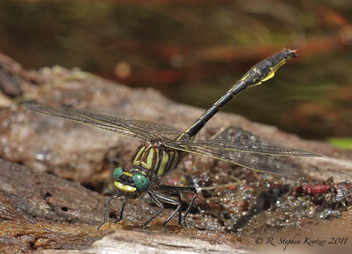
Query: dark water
column 192, row 51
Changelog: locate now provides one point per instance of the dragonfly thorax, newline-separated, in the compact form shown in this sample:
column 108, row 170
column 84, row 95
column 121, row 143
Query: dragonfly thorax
column 156, row 159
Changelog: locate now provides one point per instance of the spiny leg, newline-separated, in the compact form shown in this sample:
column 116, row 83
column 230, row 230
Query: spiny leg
column 177, row 190
column 173, row 202
column 189, row 207
column 180, row 211
column 107, row 210
column 122, row 209
column 156, row 201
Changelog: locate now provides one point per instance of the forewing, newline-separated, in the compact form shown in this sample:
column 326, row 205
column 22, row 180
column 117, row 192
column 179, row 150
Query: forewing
column 248, row 154
column 249, row 146
column 110, row 121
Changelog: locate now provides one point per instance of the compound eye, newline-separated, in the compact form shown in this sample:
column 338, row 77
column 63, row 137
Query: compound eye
column 117, row 173
column 141, row 182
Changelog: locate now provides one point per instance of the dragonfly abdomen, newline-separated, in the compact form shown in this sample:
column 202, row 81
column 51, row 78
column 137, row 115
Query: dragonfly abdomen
column 259, row 73
column 157, row 159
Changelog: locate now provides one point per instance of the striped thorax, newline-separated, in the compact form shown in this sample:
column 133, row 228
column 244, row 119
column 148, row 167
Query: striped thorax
column 156, row 159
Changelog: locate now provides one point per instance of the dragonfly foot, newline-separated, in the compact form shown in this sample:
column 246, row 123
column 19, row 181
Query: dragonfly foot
column 164, row 229
column 184, row 223
column 100, row 226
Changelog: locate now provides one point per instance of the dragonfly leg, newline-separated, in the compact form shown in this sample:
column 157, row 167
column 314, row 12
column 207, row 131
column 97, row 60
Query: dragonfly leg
column 189, row 207
column 122, row 209
column 156, row 201
column 107, row 210
column 176, row 191
column 173, row 202
column 180, row 211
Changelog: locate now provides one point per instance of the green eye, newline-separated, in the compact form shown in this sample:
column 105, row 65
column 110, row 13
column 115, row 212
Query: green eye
column 117, row 173
column 141, row 182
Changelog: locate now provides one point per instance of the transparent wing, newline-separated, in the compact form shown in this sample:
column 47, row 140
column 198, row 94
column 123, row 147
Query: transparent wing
column 246, row 153
column 110, row 121
column 241, row 145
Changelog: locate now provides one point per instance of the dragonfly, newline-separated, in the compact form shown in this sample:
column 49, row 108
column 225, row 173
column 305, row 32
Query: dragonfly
column 164, row 147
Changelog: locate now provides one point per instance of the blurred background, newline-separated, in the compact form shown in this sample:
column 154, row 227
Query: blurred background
column 193, row 51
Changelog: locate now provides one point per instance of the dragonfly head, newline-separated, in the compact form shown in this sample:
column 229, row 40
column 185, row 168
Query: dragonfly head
column 131, row 185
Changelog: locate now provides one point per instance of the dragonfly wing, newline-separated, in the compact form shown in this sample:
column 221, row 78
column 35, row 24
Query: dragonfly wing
column 149, row 130
column 110, row 121
column 246, row 156
column 249, row 146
